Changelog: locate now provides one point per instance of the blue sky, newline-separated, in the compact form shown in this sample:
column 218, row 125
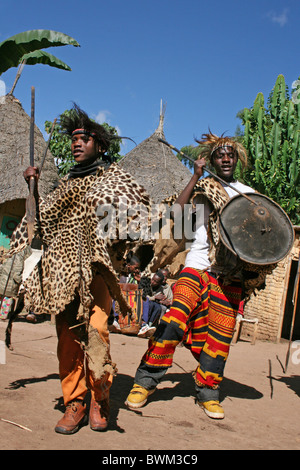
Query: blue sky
column 204, row 60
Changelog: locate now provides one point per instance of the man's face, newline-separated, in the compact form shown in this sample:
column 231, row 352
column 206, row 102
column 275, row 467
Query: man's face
column 84, row 148
column 156, row 281
column 224, row 160
column 133, row 268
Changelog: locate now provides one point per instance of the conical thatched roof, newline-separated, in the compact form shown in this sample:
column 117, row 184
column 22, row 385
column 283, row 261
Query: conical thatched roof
column 155, row 167
column 14, row 152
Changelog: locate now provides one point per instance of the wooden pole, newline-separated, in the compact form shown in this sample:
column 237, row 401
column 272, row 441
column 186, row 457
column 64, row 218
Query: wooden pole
column 210, row 172
column 20, row 69
column 30, row 201
column 47, row 146
column 294, row 300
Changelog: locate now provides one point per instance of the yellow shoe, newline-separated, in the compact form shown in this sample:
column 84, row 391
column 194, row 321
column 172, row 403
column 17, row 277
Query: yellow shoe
column 213, row 409
column 138, row 396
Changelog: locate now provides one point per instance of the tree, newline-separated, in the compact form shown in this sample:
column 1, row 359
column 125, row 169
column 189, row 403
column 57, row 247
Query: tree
column 60, row 146
column 192, row 152
column 25, row 48
column 272, row 139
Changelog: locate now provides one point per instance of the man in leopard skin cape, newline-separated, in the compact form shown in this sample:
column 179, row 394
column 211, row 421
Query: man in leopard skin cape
column 78, row 273
column 208, row 292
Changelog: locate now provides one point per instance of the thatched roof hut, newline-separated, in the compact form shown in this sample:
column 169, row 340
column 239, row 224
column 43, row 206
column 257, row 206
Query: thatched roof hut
column 14, row 152
column 14, row 159
column 155, row 167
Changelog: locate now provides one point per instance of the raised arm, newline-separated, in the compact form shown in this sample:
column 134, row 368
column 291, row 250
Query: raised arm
column 185, row 195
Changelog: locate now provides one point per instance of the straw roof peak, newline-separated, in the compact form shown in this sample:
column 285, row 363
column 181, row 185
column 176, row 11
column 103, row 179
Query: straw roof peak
column 160, row 129
column 155, row 167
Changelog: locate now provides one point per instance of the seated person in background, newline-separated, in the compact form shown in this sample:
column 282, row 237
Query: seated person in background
column 131, row 276
column 157, row 298
column 167, row 290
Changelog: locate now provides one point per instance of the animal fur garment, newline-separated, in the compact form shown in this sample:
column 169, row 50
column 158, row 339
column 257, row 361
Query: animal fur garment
column 73, row 250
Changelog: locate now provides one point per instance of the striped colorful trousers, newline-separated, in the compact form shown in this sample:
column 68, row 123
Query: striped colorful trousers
column 202, row 316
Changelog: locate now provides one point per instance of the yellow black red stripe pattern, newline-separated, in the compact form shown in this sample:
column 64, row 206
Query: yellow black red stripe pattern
column 203, row 316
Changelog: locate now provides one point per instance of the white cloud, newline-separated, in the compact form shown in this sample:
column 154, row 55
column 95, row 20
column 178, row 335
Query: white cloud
column 2, row 88
column 118, row 130
column 279, row 18
column 2, row 91
column 103, row 116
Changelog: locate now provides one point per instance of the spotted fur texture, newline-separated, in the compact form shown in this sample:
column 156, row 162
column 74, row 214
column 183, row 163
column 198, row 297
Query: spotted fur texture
column 74, row 251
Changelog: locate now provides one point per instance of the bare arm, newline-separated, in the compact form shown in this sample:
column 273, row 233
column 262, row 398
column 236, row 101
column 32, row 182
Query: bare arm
column 185, row 195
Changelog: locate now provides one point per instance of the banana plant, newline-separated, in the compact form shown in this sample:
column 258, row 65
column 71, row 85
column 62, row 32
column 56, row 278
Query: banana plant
column 13, row 49
column 26, row 48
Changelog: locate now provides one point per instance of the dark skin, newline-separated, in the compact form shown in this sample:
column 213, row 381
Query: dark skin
column 156, row 281
column 84, row 149
column 166, row 274
column 224, row 161
column 134, row 269
column 164, row 299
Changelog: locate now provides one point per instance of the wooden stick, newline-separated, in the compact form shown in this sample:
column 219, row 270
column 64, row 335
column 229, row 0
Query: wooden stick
column 30, row 201
column 295, row 300
column 16, row 424
column 75, row 326
column 31, row 145
column 47, row 146
column 210, row 172
column 20, row 70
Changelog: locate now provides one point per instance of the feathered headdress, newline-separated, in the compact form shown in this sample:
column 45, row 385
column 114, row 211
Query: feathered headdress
column 210, row 142
column 79, row 122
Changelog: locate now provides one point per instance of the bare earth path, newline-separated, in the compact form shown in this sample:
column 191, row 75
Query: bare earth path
column 261, row 402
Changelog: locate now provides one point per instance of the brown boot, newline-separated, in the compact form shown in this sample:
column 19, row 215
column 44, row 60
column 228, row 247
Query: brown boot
column 74, row 417
column 99, row 415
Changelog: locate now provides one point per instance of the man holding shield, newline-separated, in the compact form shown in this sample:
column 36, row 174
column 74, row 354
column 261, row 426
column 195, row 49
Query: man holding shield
column 206, row 296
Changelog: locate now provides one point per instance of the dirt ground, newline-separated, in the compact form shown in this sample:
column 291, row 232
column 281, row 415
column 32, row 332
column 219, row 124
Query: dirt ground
column 261, row 402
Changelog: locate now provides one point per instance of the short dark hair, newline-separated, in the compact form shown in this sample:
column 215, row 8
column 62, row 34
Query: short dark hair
column 160, row 274
column 133, row 259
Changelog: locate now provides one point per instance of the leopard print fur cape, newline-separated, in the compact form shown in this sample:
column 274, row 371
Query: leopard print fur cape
column 74, row 251
column 173, row 252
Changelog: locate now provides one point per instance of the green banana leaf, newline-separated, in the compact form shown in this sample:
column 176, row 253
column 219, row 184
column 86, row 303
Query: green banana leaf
column 14, row 48
column 42, row 57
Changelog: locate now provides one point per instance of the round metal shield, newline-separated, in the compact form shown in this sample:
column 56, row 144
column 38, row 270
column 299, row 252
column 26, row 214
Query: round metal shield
column 258, row 231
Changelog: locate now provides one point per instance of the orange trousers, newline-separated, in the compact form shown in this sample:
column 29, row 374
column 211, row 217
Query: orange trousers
column 74, row 373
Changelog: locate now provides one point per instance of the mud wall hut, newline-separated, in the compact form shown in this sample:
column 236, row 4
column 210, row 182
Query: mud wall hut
column 273, row 306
